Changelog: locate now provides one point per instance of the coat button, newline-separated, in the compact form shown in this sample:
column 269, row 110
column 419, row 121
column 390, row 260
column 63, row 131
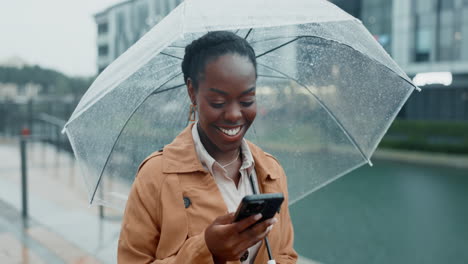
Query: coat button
column 245, row 256
column 187, row 202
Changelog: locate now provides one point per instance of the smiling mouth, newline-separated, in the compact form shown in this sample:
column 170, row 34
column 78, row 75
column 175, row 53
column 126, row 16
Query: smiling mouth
column 230, row 132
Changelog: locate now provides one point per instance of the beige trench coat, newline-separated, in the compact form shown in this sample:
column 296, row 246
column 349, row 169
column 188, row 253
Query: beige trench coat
column 157, row 228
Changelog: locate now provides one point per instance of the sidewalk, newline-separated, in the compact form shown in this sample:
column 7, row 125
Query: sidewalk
column 62, row 228
column 418, row 157
column 23, row 242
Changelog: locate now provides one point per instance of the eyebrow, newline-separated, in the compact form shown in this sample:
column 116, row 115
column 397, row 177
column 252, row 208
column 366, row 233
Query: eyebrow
column 225, row 93
column 248, row 91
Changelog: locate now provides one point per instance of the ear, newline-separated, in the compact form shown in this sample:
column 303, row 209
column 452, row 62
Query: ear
column 191, row 91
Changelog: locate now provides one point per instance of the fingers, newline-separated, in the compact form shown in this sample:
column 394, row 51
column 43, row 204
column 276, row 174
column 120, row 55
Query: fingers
column 265, row 233
column 224, row 219
column 226, row 242
column 260, row 230
column 246, row 223
column 253, row 235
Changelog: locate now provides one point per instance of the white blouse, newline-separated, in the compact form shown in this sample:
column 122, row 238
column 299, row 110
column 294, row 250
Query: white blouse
column 232, row 195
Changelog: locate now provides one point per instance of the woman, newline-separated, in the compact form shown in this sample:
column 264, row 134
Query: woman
column 177, row 211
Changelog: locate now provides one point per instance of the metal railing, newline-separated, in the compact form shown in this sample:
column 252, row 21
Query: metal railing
column 46, row 129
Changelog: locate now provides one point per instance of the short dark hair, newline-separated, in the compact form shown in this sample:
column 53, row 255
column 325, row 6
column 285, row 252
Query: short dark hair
column 211, row 46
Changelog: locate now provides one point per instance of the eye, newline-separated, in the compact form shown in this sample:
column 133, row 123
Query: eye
column 217, row 105
column 247, row 104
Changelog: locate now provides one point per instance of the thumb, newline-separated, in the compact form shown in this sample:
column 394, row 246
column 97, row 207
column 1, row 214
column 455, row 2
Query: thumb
column 225, row 219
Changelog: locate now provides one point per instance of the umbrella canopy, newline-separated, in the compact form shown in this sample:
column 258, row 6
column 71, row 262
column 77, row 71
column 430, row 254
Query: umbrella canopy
column 326, row 93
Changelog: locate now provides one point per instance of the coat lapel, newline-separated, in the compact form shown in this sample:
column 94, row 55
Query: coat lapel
column 195, row 181
column 180, row 156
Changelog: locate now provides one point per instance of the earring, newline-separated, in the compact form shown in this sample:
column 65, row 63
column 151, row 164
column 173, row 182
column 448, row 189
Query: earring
column 192, row 113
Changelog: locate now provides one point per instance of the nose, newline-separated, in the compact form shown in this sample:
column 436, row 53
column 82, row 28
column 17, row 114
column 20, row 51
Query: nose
column 233, row 113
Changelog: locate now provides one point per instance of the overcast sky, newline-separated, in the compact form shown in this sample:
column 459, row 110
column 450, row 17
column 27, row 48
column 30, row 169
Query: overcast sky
column 57, row 34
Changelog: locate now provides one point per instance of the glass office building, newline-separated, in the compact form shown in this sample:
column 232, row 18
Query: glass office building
column 439, row 27
column 377, row 16
column 438, row 42
column 429, row 40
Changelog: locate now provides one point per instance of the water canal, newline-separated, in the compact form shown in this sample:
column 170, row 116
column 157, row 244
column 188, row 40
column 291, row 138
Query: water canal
column 390, row 213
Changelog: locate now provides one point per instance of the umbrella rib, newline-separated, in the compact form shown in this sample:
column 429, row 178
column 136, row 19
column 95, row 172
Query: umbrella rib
column 275, row 48
column 176, row 47
column 348, row 135
column 272, row 76
column 276, row 38
column 163, row 53
column 248, row 33
column 168, row 89
column 120, row 133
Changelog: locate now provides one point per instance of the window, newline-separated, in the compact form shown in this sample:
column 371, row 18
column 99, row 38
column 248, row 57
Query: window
column 423, row 44
column 167, row 8
column 162, row 8
column 462, row 36
column 423, row 6
column 446, row 44
column 446, row 4
column 353, row 7
column 102, row 28
column 447, row 25
column 424, row 24
column 142, row 17
column 123, row 38
column 103, row 50
column 376, row 16
column 437, row 30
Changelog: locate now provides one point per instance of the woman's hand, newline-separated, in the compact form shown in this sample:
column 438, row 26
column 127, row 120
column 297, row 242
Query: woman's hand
column 228, row 241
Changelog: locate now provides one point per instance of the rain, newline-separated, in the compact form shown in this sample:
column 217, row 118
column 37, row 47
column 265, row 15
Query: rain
column 369, row 123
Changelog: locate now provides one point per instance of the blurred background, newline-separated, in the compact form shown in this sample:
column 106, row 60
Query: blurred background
column 410, row 207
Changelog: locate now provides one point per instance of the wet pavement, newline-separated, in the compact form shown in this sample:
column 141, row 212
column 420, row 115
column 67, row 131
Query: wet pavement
column 61, row 227
column 16, row 245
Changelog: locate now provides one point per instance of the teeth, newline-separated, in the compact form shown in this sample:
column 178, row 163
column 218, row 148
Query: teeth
column 230, row 132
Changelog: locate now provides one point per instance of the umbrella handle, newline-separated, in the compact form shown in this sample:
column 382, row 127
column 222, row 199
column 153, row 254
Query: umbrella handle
column 267, row 244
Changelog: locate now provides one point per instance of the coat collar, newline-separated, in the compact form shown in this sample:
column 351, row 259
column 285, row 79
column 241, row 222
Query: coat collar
column 180, row 157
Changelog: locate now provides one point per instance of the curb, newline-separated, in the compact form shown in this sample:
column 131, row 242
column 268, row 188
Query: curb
column 425, row 158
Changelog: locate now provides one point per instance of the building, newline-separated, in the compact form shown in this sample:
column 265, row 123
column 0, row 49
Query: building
column 19, row 93
column 10, row 91
column 121, row 25
column 429, row 40
column 432, row 36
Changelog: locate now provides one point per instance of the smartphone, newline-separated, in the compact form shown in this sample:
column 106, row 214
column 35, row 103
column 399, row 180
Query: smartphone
column 268, row 204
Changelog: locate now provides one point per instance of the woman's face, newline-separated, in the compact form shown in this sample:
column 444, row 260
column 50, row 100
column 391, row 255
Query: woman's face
column 225, row 101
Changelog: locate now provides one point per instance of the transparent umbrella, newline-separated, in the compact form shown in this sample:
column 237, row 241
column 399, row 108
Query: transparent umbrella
column 326, row 91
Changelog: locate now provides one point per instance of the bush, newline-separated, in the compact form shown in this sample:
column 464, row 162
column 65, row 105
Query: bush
column 433, row 136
